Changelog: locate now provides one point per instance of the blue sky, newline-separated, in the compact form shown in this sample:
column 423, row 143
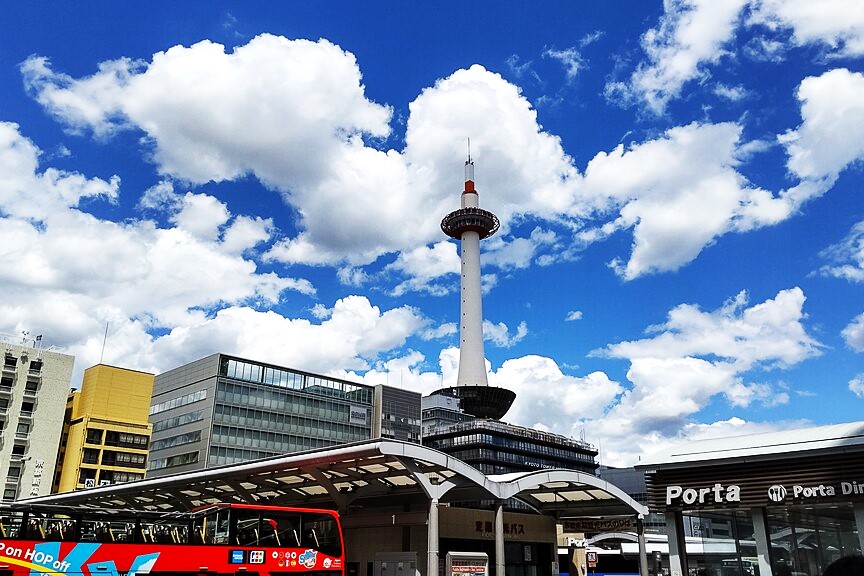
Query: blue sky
column 682, row 244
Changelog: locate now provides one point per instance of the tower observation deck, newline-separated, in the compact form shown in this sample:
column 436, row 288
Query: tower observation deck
column 470, row 224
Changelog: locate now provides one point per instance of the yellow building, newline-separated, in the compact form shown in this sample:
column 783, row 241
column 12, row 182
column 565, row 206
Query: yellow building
column 106, row 432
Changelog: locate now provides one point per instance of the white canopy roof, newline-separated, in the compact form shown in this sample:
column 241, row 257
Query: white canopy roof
column 790, row 443
column 365, row 473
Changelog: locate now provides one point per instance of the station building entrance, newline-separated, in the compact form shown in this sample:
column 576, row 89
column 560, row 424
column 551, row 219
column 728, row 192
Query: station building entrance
column 780, row 503
column 403, row 505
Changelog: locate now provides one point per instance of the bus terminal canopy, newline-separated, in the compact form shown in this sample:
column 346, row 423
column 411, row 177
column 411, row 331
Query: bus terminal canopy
column 366, row 474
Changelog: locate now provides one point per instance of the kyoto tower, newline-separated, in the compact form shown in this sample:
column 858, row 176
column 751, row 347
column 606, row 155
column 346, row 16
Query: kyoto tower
column 470, row 224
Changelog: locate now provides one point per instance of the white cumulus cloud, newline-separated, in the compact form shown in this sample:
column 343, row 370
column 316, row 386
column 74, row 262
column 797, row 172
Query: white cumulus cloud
column 831, row 135
column 695, row 356
column 693, row 36
column 853, row 333
column 856, row 385
column 846, row 257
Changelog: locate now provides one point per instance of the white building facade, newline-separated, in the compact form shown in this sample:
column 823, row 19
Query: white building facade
column 34, row 384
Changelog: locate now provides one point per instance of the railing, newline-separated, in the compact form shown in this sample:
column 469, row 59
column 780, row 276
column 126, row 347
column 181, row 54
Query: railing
column 479, row 425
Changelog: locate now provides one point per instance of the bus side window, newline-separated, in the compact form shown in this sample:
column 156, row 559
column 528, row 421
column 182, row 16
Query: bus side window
column 12, row 525
column 245, row 527
column 55, row 530
column 35, row 530
column 104, row 532
column 287, row 529
column 198, row 531
column 269, row 533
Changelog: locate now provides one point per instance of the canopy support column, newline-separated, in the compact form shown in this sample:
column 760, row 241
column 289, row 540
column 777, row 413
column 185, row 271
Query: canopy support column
column 643, row 552
column 432, row 539
column 499, row 540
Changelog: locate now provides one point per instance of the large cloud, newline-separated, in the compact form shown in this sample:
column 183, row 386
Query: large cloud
column 351, row 335
column 679, row 193
column 694, row 35
column 216, row 116
column 837, row 25
column 695, row 356
column 279, row 116
column 294, row 114
column 831, row 135
column 691, row 34
column 689, row 361
column 166, row 294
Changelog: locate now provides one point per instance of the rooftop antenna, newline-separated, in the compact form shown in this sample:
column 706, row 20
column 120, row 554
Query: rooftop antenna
column 104, row 339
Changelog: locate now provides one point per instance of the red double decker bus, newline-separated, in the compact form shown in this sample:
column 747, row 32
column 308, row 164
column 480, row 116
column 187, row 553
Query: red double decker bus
column 235, row 539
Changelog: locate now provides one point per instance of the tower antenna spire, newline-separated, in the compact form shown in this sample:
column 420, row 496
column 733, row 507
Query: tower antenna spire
column 469, row 151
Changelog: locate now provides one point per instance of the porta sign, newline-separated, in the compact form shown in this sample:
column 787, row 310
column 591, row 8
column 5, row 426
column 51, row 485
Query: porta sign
column 718, row 493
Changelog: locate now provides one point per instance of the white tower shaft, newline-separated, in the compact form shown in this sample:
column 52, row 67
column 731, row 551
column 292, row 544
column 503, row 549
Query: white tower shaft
column 472, row 358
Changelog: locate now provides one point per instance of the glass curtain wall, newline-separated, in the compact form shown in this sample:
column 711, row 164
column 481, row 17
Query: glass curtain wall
column 805, row 540
column 720, row 543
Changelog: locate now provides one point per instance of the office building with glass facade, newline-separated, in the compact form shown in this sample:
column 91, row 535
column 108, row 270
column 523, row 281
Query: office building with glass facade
column 781, row 503
column 224, row 410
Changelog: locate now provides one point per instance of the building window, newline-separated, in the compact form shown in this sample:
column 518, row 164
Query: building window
column 94, row 436
column 10, row 362
column 180, row 420
column 10, row 494
column 13, row 474
column 126, row 440
column 6, row 382
column 19, row 450
column 177, row 440
column 115, row 476
column 23, row 430
column 128, row 459
column 178, row 402
column 172, row 461
column 91, row 456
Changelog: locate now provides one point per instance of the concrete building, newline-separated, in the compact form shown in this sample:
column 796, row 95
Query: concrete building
column 439, row 412
column 223, row 410
column 105, row 432
column 33, row 388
